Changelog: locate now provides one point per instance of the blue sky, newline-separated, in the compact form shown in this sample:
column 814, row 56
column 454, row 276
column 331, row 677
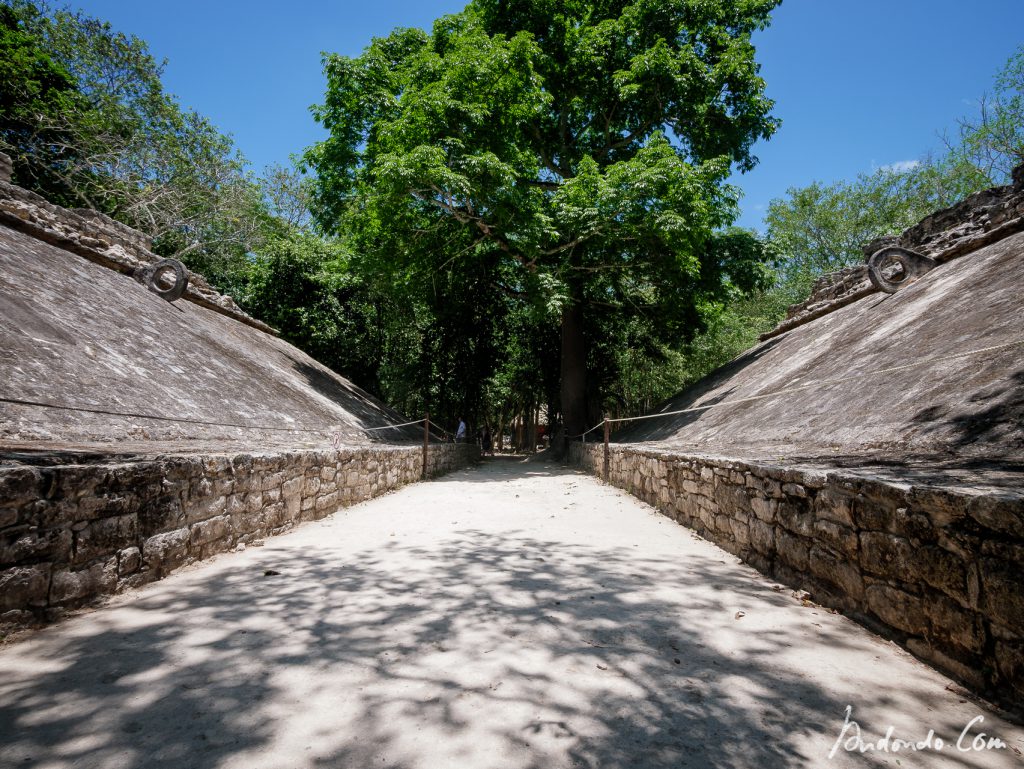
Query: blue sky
column 858, row 83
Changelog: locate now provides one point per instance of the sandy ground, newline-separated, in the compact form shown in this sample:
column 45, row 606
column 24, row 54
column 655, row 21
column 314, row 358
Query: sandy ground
column 516, row 615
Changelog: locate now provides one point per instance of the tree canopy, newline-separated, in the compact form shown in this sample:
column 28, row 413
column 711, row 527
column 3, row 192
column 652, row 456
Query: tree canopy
column 821, row 227
column 87, row 122
column 992, row 141
column 572, row 156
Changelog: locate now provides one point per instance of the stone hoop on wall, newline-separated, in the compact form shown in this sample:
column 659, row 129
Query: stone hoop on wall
column 893, row 267
column 152, row 277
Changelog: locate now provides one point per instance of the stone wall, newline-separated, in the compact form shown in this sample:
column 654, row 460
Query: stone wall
column 102, row 240
column 829, row 292
column 939, row 570
column 70, row 533
column 975, row 222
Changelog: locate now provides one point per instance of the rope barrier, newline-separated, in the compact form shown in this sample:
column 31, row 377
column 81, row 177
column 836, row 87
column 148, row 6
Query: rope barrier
column 819, row 383
column 157, row 417
column 439, row 434
column 692, row 409
column 185, row 420
column 587, row 432
column 391, row 427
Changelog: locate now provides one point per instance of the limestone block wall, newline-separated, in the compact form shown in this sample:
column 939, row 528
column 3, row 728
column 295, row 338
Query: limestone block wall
column 102, row 240
column 977, row 221
column 70, row 533
column 941, row 571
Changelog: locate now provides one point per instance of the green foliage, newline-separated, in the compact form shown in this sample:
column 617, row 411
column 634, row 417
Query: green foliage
column 992, row 143
column 87, row 122
column 34, row 91
column 525, row 370
column 578, row 150
column 301, row 285
column 821, row 228
column 734, row 331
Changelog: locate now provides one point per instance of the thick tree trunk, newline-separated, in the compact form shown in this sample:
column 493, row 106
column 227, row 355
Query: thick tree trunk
column 574, row 370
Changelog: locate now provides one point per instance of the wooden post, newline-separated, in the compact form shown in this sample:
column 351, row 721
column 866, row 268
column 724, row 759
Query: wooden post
column 426, row 443
column 607, row 430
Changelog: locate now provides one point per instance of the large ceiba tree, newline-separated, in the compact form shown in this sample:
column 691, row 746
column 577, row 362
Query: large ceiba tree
column 580, row 151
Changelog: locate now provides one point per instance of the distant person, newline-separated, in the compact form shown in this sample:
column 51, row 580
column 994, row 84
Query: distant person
column 460, row 434
column 487, row 443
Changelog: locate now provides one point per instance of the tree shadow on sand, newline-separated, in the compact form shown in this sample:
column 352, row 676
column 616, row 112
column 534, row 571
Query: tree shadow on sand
column 526, row 651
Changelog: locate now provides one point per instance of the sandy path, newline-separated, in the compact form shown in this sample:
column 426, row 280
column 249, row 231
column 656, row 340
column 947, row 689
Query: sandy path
column 517, row 615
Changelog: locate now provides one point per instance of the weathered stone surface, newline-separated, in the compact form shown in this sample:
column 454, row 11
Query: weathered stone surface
column 792, row 550
column 272, row 482
column 163, row 470
column 327, row 502
column 129, row 560
column 1001, row 512
column 24, row 586
column 731, row 498
column 1010, row 665
column 291, row 492
column 835, row 570
column 1002, row 583
column 840, row 538
column 943, row 507
column 235, row 504
column 887, row 555
column 254, row 502
column 947, row 581
column 27, row 543
column 907, row 502
column 764, row 509
column 88, row 546
column 793, row 490
column 795, row 517
column 971, row 674
column 967, row 305
column 828, row 293
column 897, row 609
column 146, row 361
column 943, row 570
column 160, row 514
column 102, row 240
column 210, row 530
column 762, row 536
column 950, row 622
column 164, row 552
column 98, row 579
column 311, row 486
column 740, row 532
column 204, row 507
column 834, row 505
column 19, row 485
column 104, row 536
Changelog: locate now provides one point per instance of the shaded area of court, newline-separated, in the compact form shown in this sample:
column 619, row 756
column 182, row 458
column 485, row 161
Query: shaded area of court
column 515, row 615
